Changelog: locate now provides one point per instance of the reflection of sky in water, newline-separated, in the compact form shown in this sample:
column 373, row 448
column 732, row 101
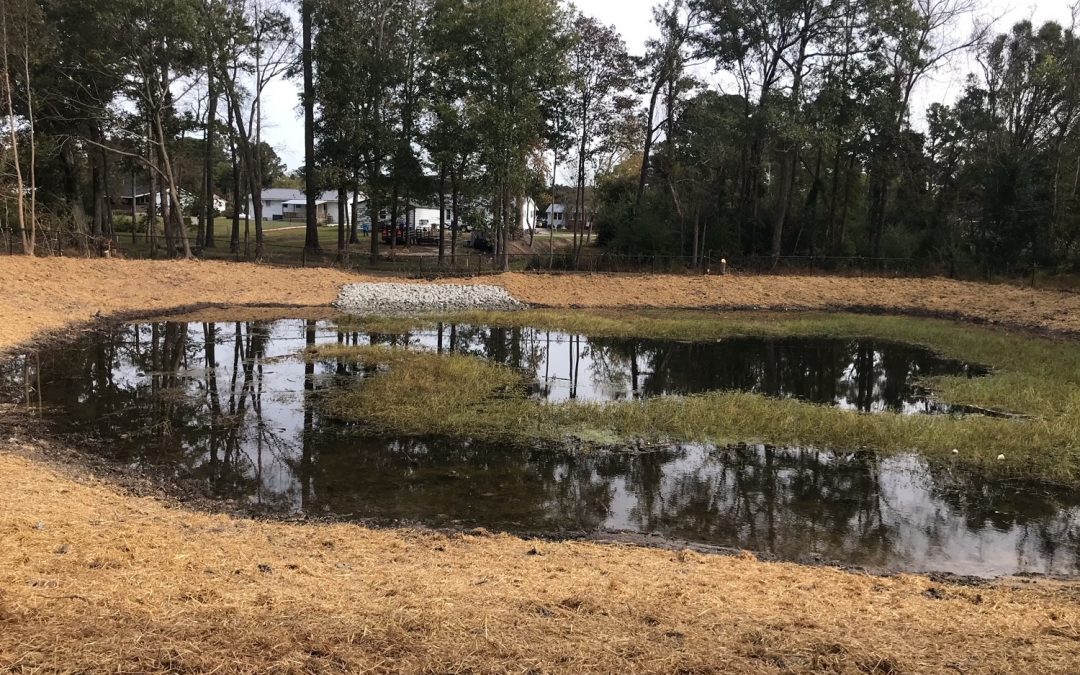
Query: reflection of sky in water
column 928, row 534
column 866, row 375
column 894, row 512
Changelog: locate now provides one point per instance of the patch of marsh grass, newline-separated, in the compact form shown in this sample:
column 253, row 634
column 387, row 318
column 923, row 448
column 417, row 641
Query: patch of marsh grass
column 463, row 396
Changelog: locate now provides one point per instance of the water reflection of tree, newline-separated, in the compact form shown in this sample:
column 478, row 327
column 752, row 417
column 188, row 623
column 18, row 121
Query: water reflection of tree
column 439, row 481
column 155, row 394
column 166, row 394
column 791, row 502
column 865, row 374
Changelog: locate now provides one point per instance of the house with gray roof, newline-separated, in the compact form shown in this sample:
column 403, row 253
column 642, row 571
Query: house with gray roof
column 291, row 204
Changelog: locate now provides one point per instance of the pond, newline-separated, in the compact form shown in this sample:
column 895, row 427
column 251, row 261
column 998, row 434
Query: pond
column 856, row 374
column 230, row 408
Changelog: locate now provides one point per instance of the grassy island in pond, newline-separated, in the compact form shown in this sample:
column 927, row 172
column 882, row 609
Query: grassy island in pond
column 1036, row 381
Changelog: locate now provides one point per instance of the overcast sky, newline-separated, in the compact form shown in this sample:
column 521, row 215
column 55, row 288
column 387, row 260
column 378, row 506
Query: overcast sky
column 283, row 123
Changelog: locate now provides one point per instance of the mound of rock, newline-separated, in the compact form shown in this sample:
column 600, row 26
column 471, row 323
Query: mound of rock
column 370, row 298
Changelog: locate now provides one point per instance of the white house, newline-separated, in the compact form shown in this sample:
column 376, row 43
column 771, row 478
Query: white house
column 422, row 219
column 557, row 215
column 530, row 214
column 142, row 197
column 291, row 204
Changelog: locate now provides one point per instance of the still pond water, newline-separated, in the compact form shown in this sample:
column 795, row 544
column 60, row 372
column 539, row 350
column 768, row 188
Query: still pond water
column 230, row 407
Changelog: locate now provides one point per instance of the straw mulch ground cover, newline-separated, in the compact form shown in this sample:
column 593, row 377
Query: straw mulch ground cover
column 92, row 579
column 43, row 294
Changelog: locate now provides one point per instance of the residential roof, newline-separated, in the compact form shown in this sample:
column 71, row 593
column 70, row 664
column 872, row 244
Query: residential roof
column 281, row 194
column 144, row 192
column 293, row 195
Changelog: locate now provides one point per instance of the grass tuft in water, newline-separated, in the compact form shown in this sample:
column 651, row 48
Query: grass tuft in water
column 462, row 396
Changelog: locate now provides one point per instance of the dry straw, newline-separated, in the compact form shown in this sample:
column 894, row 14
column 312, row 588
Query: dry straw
column 93, row 580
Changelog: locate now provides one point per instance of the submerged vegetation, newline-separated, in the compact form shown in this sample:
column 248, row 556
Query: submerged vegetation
column 1036, row 380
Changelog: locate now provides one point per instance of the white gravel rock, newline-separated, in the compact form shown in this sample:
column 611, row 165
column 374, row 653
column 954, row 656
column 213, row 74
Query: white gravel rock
column 384, row 299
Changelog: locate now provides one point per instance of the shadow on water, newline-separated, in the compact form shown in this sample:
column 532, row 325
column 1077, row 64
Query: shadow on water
column 230, row 407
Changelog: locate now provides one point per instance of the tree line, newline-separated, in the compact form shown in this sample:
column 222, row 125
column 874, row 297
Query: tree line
column 764, row 128
column 811, row 145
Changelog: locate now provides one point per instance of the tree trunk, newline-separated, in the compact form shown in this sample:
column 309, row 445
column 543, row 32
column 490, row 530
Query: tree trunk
column 31, row 244
column 442, row 213
column 311, row 238
column 343, row 217
column 505, row 252
column 110, row 226
column 134, row 209
column 695, row 240
column 453, row 216
column 252, row 167
column 643, row 176
column 97, row 187
column 208, row 163
column 878, row 199
column 393, row 220
column 834, row 193
column 234, row 236
column 73, row 195
column 551, row 209
column 373, row 212
column 20, row 188
column 174, row 195
column 847, row 202
column 787, row 179
column 354, row 225
column 151, row 202
column 162, row 198
column 579, row 195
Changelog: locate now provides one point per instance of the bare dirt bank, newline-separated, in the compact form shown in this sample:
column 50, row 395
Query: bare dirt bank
column 1051, row 310
column 95, row 580
column 43, row 294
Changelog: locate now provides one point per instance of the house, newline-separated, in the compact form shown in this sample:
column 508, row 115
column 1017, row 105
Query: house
column 530, row 214
column 557, row 215
column 423, row 220
column 291, row 204
column 142, row 198
column 418, row 218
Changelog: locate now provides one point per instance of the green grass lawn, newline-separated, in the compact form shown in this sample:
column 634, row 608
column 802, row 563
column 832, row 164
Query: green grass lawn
column 461, row 396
